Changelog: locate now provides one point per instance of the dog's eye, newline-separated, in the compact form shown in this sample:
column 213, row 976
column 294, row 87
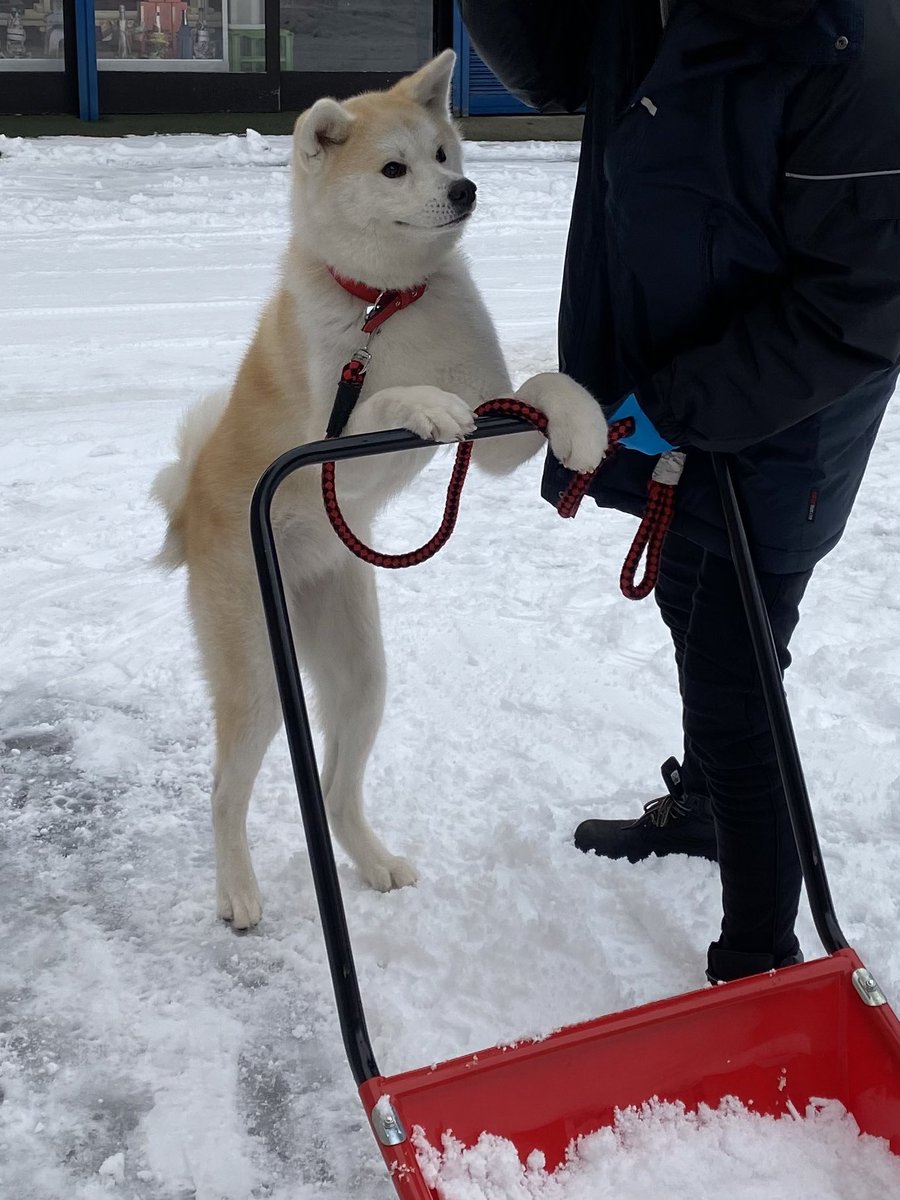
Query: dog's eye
column 441, row 156
column 393, row 170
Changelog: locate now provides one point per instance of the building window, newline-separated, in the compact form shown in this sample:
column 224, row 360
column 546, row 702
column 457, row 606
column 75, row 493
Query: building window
column 162, row 35
column 358, row 36
column 31, row 36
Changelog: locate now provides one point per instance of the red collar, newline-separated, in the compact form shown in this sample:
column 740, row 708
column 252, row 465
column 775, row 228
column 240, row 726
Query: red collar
column 388, row 302
column 361, row 291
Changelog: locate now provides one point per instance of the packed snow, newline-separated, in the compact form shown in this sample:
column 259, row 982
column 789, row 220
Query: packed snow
column 662, row 1152
column 145, row 1050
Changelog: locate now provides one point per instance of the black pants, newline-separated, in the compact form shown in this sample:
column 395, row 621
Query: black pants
column 729, row 755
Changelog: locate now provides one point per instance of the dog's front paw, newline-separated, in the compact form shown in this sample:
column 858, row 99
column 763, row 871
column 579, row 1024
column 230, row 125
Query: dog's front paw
column 386, row 874
column 238, row 899
column 576, row 427
column 431, row 413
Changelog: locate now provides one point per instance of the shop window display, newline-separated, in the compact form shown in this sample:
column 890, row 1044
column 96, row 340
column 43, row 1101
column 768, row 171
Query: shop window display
column 31, row 35
column 348, row 36
column 171, row 34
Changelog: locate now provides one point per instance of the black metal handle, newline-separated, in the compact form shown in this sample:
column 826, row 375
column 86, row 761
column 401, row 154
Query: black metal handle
column 786, row 751
column 296, row 719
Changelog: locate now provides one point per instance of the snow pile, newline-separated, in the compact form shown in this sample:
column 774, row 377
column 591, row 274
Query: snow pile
column 197, row 150
column 662, row 1152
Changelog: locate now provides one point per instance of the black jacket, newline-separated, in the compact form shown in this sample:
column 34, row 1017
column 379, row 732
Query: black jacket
column 734, row 250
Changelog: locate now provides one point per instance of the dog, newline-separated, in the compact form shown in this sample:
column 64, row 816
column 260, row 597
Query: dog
column 378, row 197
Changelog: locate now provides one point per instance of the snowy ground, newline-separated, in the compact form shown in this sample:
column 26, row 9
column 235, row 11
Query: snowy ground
column 144, row 1046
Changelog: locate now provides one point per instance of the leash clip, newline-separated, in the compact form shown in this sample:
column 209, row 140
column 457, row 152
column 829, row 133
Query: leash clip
column 384, row 306
column 373, row 309
column 353, row 373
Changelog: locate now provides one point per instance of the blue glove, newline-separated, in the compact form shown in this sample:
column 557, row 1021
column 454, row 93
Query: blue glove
column 645, row 439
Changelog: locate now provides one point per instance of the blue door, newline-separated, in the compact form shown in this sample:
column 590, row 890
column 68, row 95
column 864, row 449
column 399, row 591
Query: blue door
column 476, row 89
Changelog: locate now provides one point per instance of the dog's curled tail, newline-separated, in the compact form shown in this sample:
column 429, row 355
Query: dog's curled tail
column 171, row 484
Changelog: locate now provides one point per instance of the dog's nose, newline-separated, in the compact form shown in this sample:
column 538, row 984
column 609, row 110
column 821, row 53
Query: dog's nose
column 462, row 194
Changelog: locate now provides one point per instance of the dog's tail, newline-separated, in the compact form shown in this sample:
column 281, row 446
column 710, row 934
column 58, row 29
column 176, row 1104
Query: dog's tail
column 171, row 484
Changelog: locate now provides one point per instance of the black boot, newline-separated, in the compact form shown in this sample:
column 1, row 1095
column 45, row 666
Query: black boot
column 723, row 966
column 672, row 824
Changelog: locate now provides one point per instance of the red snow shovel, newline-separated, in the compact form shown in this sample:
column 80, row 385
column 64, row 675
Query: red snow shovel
column 822, row 1029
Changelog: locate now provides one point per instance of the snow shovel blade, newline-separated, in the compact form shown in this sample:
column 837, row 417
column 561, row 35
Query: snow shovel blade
column 774, row 1041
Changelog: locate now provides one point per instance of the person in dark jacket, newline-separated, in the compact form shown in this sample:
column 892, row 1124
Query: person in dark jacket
column 732, row 281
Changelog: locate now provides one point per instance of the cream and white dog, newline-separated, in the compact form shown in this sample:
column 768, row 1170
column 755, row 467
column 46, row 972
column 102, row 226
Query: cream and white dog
column 378, row 197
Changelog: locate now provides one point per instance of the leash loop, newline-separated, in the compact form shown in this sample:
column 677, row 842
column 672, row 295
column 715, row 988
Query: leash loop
column 654, row 526
column 413, row 558
column 651, row 532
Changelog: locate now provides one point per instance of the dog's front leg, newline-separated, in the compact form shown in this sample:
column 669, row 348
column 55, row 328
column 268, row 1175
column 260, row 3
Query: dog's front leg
column 433, row 414
column 576, row 429
column 576, row 426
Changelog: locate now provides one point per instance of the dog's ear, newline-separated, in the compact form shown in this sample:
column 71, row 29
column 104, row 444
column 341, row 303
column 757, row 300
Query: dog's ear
column 326, row 124
column 430, row 86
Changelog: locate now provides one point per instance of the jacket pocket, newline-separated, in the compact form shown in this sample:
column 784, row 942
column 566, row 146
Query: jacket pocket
column 708, row 249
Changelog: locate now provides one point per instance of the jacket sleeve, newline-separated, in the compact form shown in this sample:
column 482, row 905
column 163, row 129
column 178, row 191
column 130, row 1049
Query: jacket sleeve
column 832, row 324
column 538, row 49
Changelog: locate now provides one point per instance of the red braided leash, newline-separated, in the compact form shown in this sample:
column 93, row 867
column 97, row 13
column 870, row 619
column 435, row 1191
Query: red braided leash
column 650, row 535
column 413, row 557
column 451, row 507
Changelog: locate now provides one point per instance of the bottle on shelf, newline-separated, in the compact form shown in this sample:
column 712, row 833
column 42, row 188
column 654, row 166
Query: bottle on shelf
column 184, row 40
column 157, row 40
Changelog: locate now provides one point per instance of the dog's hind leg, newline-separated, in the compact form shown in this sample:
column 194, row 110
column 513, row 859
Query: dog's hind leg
column 248, row 715
column 339, row 639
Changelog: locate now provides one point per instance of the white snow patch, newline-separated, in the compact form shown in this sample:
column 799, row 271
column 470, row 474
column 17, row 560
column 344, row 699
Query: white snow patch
column 661, row 1151
column 112, row 1169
